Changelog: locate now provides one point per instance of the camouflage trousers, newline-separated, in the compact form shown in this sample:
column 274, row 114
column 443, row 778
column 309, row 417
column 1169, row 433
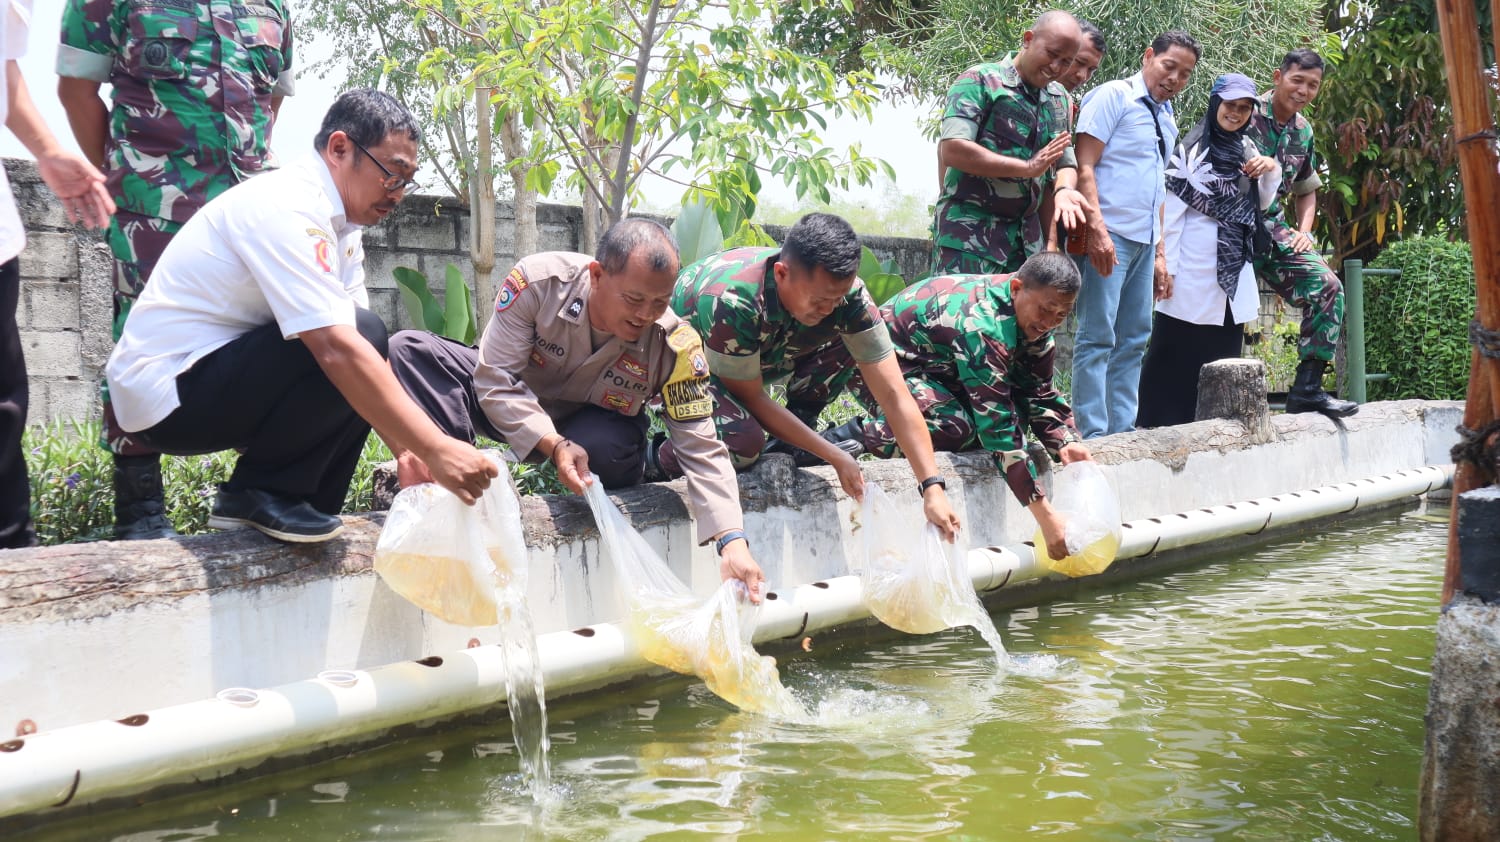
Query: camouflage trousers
column 1304, row 280
column 950, row 421
column 949, row 418
column 135, row 244
column 947, row 261
column 814, row 382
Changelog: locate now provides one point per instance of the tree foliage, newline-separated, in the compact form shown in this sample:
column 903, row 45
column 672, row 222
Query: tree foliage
column 695, row 91
column 929, row 44
column 1385, row 130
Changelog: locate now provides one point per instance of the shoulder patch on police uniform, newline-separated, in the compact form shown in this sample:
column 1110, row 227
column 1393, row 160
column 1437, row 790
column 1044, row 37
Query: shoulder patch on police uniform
column 685, row 394
column 510, row 290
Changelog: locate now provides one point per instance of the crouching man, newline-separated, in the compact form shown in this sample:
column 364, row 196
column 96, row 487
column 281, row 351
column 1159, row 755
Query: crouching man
column 800, row 315
column 575, row 349
column 977, row 354
column 255, row 334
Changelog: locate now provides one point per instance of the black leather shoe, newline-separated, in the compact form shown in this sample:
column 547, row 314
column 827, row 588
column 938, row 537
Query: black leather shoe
column 285, row 520
column 140, row 514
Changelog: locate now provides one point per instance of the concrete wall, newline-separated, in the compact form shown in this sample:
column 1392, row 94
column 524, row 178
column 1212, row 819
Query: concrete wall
column 65, row 307
column 196, row 615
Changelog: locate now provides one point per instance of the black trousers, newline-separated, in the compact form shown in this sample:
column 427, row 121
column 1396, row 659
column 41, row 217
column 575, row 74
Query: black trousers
column 268, row 397
column 438, row 373
column 15, row 488
column 1178, row 352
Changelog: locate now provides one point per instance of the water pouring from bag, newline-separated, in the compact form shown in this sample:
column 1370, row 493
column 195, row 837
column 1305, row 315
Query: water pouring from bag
column 467, row 565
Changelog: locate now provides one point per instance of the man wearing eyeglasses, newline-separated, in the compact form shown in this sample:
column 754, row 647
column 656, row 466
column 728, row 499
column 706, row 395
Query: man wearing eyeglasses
column 255, row 333
column 194, row 89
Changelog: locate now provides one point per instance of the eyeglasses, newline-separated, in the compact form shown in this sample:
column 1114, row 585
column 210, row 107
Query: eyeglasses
column 392, row 182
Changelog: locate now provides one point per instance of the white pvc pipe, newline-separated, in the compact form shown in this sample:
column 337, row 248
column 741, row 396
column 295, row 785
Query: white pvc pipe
column 215, row 737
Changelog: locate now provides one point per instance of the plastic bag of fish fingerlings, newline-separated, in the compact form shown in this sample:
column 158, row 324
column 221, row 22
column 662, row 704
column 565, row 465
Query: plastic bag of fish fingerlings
column 671, row 628
column 1083, row 496
column 913, row 580
column 450, row 559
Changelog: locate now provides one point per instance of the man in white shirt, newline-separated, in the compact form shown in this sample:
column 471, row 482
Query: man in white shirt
column 1125, row 137
column 255, row 334
column 81, row 188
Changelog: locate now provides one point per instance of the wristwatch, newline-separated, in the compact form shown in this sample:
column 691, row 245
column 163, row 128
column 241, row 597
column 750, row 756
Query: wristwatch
column 724, row 540
column 930, row 482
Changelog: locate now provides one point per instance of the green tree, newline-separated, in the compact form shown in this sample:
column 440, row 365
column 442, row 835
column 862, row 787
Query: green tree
column 1384, row 128
column 695, row 91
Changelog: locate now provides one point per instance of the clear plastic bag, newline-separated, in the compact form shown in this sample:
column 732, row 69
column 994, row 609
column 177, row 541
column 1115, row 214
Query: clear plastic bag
column 711, row 640
column 1084, row 497
column 453, row 560
column 912, row 579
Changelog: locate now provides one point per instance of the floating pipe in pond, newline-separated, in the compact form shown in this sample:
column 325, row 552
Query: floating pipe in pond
column 200, row 741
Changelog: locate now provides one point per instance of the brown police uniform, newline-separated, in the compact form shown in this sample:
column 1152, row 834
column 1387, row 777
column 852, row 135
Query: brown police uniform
column 540, row 368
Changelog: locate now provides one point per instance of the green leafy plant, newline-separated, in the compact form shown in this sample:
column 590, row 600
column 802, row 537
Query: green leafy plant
column 454, row 318
column 882, row 278
column 702, row 230
column 72, row 490
column 1417, row 323
column 1276, row 346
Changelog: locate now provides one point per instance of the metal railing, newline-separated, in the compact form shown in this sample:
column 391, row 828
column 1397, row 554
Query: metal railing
column 1354, row 327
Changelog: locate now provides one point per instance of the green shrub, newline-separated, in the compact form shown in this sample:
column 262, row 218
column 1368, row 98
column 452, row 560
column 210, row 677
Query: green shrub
column 72, row 486
column 1417, row 323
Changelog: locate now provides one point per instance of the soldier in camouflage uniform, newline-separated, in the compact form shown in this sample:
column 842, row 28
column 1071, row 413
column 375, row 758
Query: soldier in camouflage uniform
column 195, row 90
column 1004, row 136
column 977, row 353
column 1293, row 268
column 801, row 316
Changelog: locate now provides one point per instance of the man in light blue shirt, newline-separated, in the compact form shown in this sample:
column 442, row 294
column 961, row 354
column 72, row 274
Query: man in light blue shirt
column 1124, row 138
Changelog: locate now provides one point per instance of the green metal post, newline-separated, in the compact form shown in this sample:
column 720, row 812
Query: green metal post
column 1354, row 328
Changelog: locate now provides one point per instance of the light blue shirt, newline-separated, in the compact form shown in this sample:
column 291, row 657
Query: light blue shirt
column 1130, row 174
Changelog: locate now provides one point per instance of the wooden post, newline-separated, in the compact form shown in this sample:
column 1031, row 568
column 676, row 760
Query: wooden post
column 1236, row 389
column 1474, row 130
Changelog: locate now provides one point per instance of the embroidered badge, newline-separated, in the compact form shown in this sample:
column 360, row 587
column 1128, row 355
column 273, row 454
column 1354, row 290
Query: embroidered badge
column 511, row 289
column 617, row 400
column 631, row 366
column 685, row 395
column 538, row 360
column 323, row 253
column 575, row 308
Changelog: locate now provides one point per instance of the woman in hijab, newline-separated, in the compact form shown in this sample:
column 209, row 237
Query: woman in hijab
column 1218, row 186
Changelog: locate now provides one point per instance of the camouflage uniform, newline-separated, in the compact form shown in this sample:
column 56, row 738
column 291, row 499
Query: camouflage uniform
column 976, row 378
column 1302, row 278
column 730, row 298
column 192, row 89
column 988, row 225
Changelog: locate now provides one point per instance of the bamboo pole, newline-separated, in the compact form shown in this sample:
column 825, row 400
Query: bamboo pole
column 1474, row 129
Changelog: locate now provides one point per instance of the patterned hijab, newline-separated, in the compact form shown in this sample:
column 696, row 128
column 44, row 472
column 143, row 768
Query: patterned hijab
column 1205, row 174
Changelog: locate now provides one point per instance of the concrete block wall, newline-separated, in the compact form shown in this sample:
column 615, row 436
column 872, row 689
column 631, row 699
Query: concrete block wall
column 65, row 308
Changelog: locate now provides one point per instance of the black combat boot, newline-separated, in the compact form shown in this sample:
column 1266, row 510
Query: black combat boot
column 846, row 436
column 1307, row 393
column 654, row 471
column 140, row 514
column 801, row 458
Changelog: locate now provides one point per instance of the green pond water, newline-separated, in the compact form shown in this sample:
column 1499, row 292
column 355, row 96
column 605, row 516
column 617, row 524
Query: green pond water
column 1273, row 694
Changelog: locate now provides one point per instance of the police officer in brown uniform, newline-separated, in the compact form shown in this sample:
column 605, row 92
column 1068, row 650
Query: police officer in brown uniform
column 576, row 348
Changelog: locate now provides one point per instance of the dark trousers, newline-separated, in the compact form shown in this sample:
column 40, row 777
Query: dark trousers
column 15, row 489
column 267, row 396
column 438, row 374
column 1178, row 352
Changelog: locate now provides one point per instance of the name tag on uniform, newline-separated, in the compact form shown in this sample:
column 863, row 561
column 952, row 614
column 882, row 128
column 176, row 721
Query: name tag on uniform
column 685, row 395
